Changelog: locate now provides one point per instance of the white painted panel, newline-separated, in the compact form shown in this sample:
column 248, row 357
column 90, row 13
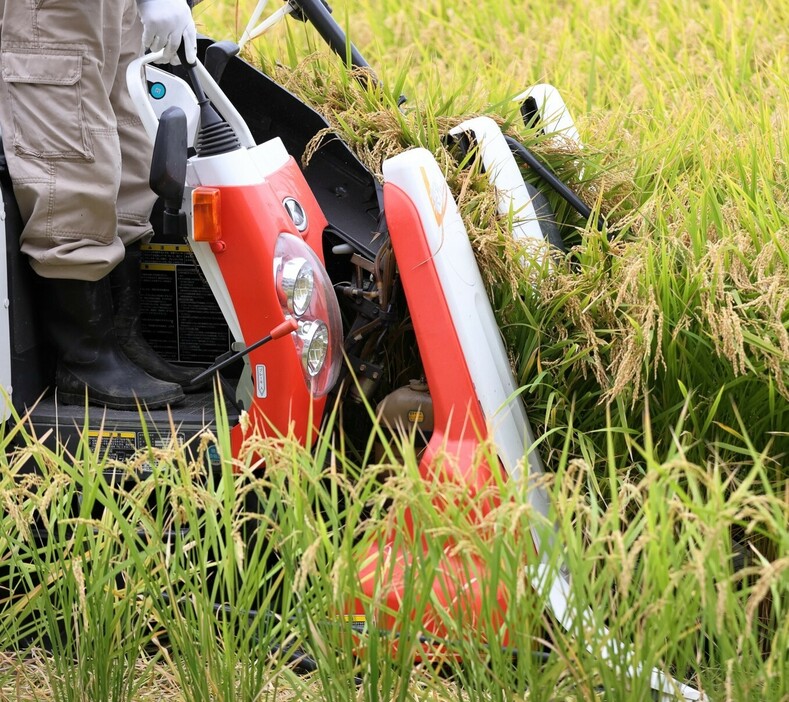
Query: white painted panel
column 418, row 175
column 5, row 327
column 505, row 175
column 555, row 117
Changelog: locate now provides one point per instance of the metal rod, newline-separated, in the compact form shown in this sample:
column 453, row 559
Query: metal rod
column 320, row 17
column 286, row 327
column 553, row 180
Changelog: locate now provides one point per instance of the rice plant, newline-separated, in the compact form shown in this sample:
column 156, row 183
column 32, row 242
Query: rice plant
column 653, row 360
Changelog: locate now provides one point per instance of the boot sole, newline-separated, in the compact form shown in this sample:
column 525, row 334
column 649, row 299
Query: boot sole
column 119, row 403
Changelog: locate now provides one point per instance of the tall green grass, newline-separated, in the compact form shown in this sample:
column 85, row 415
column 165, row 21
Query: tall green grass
column 237, row 583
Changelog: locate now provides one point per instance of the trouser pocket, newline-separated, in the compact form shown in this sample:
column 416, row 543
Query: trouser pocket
column 46, row 104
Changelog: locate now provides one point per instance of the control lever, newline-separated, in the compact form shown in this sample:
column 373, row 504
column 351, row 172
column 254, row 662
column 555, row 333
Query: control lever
column 218, row 55
column 168, row 168
column 215, row 136
column 282, row 329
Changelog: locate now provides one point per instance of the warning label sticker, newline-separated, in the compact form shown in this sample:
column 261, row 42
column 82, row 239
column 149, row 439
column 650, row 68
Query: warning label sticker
column 116, row 445
column 180, row 317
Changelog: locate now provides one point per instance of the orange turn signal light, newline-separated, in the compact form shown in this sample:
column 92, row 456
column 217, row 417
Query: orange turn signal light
column 206, row 210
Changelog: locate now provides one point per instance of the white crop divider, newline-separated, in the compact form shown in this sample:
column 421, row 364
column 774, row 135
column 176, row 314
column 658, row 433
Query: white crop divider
column 514, row 199
column 418, row 175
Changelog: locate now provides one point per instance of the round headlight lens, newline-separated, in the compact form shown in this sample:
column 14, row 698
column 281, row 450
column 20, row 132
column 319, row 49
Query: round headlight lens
column 305, row 292
column 315, row 346
column 298, row 283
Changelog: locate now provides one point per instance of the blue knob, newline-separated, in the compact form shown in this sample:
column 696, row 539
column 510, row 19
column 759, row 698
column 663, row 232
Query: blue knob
column 158, row 91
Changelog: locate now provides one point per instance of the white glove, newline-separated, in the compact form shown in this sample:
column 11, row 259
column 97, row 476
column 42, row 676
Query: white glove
column 165, row 23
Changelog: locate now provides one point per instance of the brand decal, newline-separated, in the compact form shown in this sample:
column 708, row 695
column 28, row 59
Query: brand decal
column 439, row 197
column 261, row 387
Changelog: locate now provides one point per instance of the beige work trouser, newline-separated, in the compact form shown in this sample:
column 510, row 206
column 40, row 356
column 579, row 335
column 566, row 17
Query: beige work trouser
column 77, row 152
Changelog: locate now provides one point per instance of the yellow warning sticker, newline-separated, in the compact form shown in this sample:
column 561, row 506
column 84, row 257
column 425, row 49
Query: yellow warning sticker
column 94, row 434
column 355, row 618
column 177, row 248
column 158, row 266
column 416, row 416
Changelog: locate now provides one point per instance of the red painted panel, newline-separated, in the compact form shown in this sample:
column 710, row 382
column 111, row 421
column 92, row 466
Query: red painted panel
column 252, row 217
column 454, row 453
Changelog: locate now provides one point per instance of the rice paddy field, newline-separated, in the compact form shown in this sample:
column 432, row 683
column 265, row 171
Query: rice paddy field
column 653, row 360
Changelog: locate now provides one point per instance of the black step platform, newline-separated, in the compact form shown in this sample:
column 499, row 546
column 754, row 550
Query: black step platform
column 121, row 433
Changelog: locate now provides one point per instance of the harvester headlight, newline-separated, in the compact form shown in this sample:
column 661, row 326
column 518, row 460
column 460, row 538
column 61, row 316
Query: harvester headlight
column 297, row 285
column 315, row 346
column 306, row 292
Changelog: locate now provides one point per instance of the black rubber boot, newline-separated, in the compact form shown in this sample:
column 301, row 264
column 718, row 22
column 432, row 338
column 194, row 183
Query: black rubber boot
column 125, row 284
column 80, row 322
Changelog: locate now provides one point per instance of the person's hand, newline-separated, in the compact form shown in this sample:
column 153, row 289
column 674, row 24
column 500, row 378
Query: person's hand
column 165, row 23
